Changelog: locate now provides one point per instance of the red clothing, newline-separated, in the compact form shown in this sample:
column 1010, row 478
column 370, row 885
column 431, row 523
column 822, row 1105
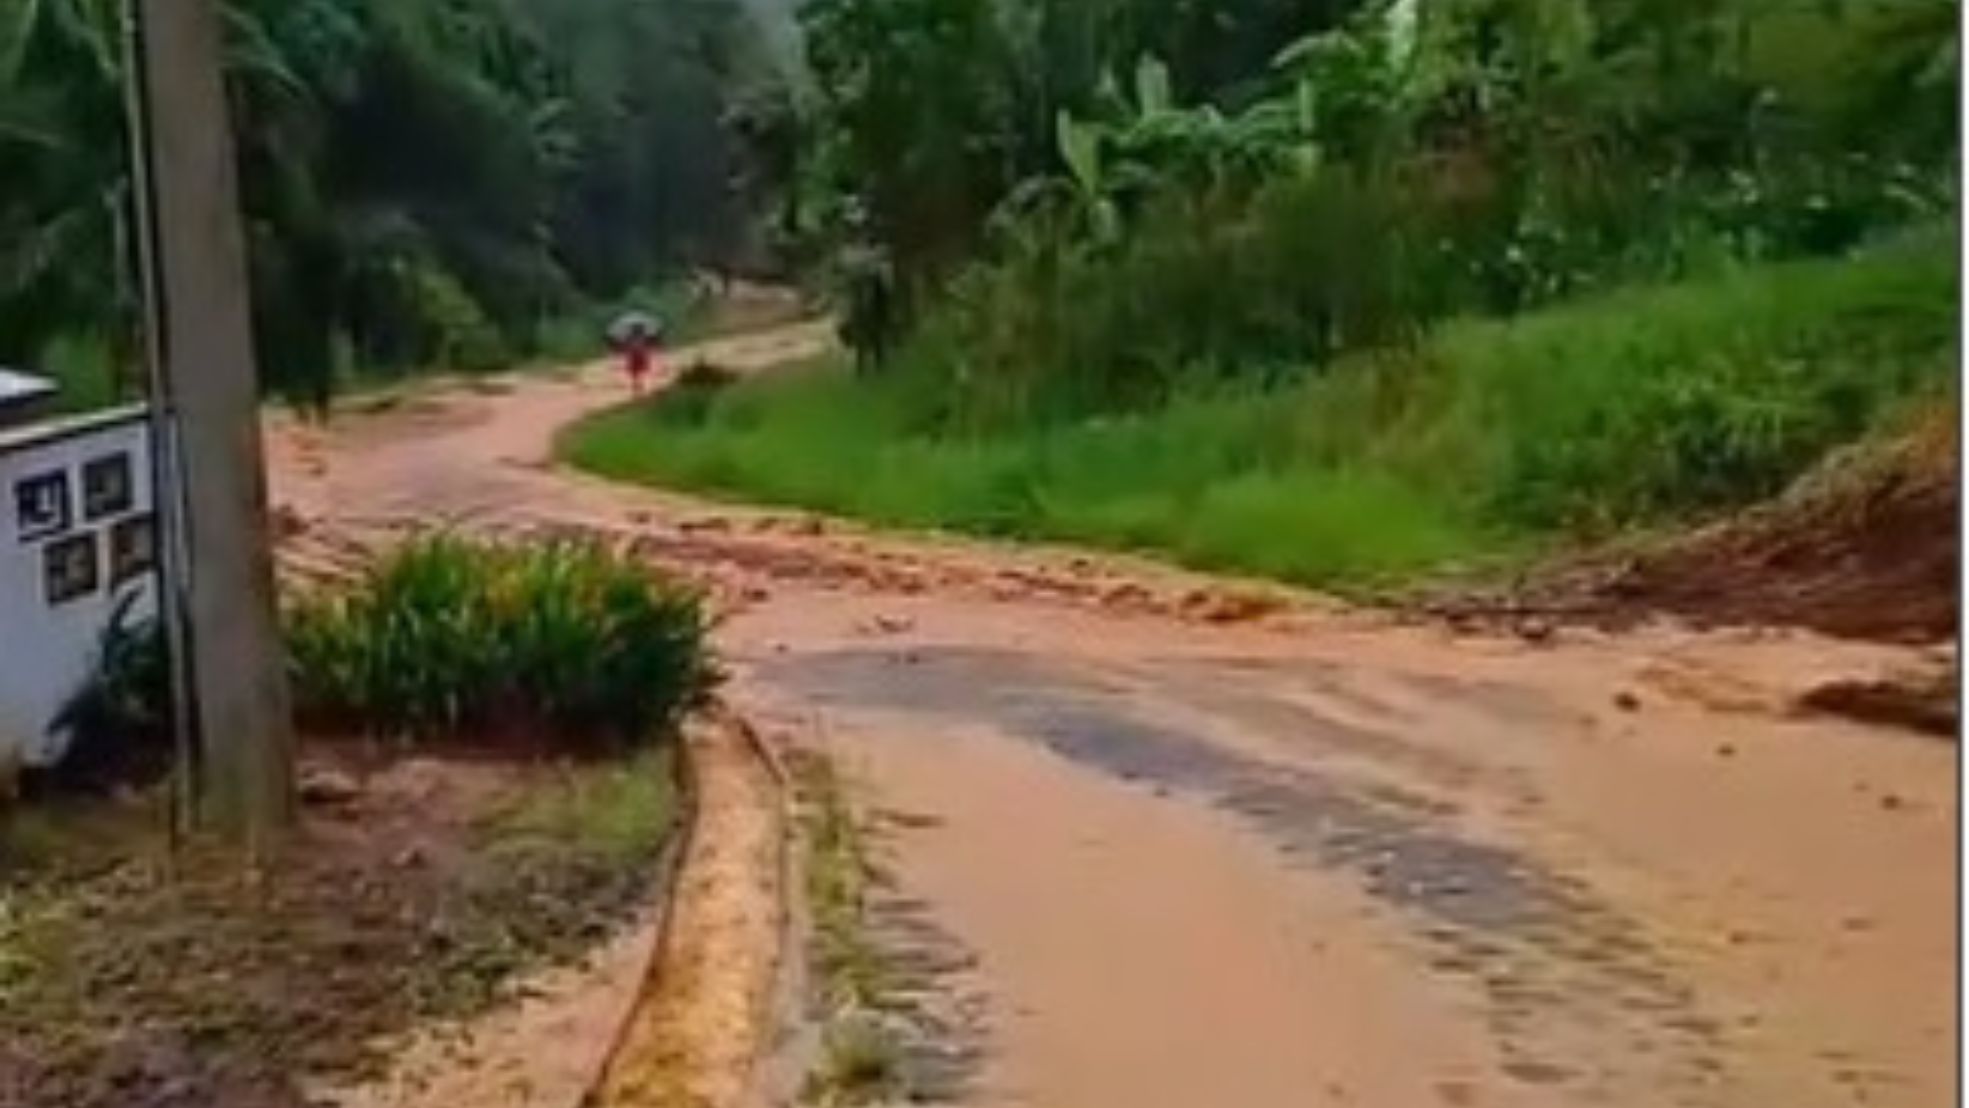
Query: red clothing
column 638, row 359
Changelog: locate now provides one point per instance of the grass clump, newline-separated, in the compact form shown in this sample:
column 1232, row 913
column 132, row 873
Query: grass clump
column 859, row 1065
column 609, row 810
column 1479, row 444
column 861, row 1054
column 447, row 636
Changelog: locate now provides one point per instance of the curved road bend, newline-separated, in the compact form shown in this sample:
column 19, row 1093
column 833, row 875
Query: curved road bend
column 1316, row 858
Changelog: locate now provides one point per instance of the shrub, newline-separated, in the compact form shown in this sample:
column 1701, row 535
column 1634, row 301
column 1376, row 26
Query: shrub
column 459, row 333
column 1214, row 286
column 1233, row 282
column 708, row 376
column 564, row 641
column 118, row 722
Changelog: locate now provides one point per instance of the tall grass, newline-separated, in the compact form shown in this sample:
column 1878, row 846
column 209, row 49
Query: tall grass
column 1652, row 403
column 563, row 646
column 565, row 641
column 1205, row 480
column 1483, row 441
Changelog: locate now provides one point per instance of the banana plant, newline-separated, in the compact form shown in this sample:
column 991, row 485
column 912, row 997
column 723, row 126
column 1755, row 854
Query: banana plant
column 1081, row 149
column 1149, row 141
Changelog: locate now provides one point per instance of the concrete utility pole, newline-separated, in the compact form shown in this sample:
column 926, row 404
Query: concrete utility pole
column 218, row 558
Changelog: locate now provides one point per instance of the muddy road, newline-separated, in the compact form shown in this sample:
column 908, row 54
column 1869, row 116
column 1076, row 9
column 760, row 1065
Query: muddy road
column 1160, row 840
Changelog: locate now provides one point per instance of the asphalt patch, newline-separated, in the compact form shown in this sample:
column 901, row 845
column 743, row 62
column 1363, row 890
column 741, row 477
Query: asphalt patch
column 1556, row 965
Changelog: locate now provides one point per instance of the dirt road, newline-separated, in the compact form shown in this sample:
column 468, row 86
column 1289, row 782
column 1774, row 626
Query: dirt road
column 1163, row 842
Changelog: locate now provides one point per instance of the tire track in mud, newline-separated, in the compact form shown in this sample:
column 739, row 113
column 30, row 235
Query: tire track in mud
column 1573, row 992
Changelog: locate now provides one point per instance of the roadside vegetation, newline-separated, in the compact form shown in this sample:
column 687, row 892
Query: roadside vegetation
column 1344, row 294
column 564, row 644
column 1489, row 440
column 562, row 649
column 860, row 1058
column 487, row 787
column 451, row 184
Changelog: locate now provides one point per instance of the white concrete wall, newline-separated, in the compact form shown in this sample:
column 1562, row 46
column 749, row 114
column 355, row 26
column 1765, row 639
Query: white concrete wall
column 48, row 649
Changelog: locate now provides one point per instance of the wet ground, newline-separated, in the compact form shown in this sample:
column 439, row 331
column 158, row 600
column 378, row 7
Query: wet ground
column 1159, row 843
column 1549, row 897
column 1546, row 955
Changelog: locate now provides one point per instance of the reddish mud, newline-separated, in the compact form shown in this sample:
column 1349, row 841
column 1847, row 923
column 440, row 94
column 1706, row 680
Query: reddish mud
column 1173, row 841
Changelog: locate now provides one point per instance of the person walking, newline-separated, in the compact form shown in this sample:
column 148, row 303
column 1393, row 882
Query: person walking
column 636, row 338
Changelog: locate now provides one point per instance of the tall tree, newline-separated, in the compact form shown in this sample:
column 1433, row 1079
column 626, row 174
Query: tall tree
column 425, row 180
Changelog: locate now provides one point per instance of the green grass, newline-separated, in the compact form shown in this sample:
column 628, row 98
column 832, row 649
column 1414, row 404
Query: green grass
column 854, row 984
column 561, row 642
column 611, row 809
column 1192, row 480
column 1652, row 405
column 1489, row 440
column 563, row 646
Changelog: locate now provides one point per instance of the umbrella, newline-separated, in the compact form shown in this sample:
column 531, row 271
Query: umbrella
column 632, row 326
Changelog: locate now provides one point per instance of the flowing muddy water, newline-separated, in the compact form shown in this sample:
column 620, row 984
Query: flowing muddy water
column 1161, row 845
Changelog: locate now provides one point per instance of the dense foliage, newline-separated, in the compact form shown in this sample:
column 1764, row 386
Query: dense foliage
column 426, row 181
column 566, row 644
column 1048, row 218
column 1083, row 215
column 1489, row 439
column 1343, row 289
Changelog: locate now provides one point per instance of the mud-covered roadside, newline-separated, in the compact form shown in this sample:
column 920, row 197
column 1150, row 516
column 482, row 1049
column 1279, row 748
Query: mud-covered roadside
column 1200, row 841
column 1865, row 546
column 417, row 893
column 701, row 1019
